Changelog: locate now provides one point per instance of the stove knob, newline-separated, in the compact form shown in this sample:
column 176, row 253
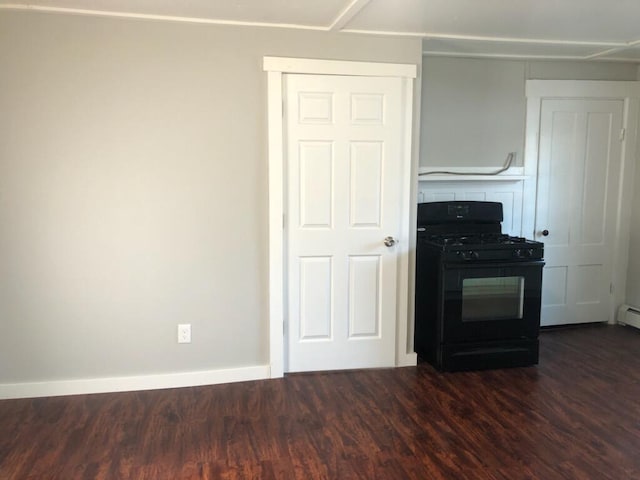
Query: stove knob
column 467, row 255
column 528, row 253
column 475, row 255
column 517, row 253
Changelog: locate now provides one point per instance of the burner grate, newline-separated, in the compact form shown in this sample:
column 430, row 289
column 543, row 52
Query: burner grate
column 486, row 239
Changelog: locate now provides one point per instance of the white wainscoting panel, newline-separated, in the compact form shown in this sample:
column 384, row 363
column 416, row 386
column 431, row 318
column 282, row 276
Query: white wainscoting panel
column 509, row 193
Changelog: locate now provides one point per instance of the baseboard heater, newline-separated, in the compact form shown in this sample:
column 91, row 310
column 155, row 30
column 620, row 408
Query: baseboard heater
column 628, row 315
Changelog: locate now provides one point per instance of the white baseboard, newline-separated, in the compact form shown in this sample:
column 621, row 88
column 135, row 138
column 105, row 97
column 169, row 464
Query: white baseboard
column 407, row 360
column 126, row 384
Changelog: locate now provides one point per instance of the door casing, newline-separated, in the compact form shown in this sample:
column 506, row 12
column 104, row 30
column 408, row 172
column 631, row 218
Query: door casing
column 276, row 67
column 629, row 93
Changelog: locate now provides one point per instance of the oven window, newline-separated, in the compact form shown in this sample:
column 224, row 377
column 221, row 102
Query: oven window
column 492, row 298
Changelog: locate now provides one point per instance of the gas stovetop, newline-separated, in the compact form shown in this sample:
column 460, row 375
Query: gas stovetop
column 482, row 246
column 470, row 231
column 497, row 240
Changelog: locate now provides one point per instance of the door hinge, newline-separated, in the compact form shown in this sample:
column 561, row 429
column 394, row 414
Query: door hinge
column 611, row 288
column 622, row 133
column 284, row 221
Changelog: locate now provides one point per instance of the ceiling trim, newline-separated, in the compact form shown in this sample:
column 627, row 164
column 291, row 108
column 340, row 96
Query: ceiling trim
column 514, row 56
column 504, row 56
column 477, row 38
column 508, row 56
column 353, row 8
column 342, row 19
column 614, row 50
column 145, row 16
column 614, row 47
column 601, row 55
column 538, row 41
column 348, row 14
column 605, row 52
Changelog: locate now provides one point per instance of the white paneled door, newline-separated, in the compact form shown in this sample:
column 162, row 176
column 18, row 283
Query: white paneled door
column 578, row 187
column 343, row 138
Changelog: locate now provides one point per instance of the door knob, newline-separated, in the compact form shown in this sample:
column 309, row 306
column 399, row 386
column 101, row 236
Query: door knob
column 545, row 233
column 390, row 241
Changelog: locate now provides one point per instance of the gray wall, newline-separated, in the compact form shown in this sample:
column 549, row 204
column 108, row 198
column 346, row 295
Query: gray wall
column 133, row 191
column 473, row 110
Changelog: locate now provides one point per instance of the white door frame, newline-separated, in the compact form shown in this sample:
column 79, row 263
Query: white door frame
column 276, row 67
column 629, row 93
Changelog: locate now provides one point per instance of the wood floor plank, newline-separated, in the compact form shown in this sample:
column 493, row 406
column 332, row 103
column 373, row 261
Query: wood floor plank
column 574, row 416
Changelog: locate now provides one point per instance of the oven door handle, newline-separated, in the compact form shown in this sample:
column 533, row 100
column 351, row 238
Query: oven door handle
column 529, row 263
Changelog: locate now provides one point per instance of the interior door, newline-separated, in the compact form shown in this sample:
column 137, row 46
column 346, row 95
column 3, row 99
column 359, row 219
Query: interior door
column 343, row 143
column 578, row 184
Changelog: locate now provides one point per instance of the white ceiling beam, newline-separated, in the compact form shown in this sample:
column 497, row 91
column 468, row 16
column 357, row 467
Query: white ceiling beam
column 348, row 14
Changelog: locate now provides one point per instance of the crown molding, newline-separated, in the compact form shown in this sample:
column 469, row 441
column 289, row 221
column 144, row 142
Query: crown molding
column 505, row 56
column 351, row 11
column 476, row 38
column 600, row 55
column 166, row 18
column 348, row 14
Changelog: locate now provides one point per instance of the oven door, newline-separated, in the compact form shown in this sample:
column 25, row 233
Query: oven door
column 490, row 301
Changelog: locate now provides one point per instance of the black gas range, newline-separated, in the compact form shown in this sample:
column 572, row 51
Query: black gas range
column 478, row 290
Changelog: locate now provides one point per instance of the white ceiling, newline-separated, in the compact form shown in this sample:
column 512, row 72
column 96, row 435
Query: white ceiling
column 564, row 29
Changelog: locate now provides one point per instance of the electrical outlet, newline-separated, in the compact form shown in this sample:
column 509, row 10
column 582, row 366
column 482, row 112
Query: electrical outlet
column 184, row 333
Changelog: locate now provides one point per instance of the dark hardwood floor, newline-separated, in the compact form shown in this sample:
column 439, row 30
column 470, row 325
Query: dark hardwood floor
column 574, row 416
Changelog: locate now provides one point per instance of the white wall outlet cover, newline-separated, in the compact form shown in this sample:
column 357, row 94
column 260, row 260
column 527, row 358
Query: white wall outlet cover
column 184, row 333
